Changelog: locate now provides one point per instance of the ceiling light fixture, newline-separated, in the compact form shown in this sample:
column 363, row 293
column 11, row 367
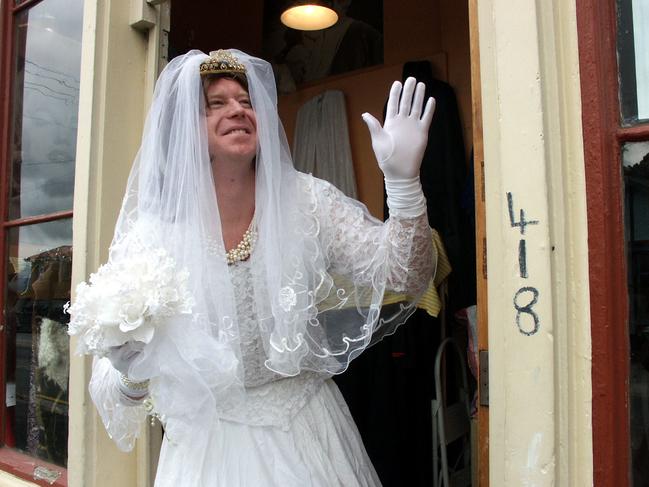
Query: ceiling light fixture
column 312, row 15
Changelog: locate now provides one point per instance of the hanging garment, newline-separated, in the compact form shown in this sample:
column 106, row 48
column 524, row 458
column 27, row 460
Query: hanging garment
column 321, row 143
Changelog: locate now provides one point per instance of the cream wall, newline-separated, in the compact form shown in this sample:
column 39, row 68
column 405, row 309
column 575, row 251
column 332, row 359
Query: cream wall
column 540, row 384
column 118, row 67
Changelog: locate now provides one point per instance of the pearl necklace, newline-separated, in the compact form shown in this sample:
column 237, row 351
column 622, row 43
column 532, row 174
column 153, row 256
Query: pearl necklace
column 242, row 251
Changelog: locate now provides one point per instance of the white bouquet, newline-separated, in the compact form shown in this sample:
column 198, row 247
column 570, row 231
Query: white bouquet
column 125, row 300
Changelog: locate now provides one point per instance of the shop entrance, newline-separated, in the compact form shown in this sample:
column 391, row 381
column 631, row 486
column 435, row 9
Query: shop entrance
column 391, row 390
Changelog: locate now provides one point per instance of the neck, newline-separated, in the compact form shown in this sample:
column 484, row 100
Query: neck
column 232, row 176
column 235, row 192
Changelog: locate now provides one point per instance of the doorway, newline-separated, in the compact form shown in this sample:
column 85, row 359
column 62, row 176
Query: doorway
column 437, row 33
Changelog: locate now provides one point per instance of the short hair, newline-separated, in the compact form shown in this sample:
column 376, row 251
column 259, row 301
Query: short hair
column 208, row 79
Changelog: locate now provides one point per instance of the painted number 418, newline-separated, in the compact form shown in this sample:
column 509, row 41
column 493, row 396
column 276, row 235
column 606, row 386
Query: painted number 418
column 527, row 320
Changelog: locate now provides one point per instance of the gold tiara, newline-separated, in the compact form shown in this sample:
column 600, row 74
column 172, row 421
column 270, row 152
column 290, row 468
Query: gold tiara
column 221, row 62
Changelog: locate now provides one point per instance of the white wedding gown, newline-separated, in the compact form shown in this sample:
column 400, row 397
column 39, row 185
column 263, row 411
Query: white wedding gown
column 292, row 431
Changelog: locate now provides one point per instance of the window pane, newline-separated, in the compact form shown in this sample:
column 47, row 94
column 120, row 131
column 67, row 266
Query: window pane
column 635, row 160
column 633, row 59
column 38, row 285
column 45, row 105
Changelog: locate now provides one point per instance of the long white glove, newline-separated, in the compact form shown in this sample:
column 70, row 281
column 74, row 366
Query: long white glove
column 121, row 358
column 400, row 144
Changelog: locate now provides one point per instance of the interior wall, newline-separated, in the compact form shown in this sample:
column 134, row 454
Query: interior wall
column 208, row 25
column 411, row 30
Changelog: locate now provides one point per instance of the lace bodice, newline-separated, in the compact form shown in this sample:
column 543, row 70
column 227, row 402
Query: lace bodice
column 271, row 399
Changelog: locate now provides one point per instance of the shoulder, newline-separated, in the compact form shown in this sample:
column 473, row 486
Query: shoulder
column 308, row 179
column 316, row 185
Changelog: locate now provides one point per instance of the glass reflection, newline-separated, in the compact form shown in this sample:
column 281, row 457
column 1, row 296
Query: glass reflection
column 635, row 158
column 38, row 285
column 633, row 59
column 45, row 105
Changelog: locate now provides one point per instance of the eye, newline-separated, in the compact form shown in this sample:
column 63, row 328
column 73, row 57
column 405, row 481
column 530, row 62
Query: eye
column 245, row 102
column 215, row 103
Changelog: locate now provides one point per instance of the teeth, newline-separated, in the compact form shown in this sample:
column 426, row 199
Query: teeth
column 238, row 131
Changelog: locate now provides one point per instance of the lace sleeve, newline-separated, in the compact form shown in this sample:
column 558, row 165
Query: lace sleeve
column 122, row 416
column 364, row 249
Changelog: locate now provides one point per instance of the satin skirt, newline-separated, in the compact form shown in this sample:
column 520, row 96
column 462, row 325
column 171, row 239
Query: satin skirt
column 321, row 448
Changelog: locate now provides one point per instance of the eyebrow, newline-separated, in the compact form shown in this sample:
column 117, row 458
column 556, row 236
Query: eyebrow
column 212, row 96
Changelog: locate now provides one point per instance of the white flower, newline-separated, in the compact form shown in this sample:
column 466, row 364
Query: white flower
column 125, row 299
column 132, row 315
column 287, row 298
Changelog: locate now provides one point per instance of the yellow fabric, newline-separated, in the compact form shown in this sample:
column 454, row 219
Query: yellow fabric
column 430, row 301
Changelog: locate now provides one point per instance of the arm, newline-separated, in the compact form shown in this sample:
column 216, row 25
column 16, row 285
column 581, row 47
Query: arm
column 365, row 250
column 122, row 415
column 119, row 401
column 400, row 251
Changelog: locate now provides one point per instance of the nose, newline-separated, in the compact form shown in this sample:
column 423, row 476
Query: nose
column 236, row 109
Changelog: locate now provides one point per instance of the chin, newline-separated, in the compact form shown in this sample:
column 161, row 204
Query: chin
column 246, row 155
column 239, row 157
column 247, row 151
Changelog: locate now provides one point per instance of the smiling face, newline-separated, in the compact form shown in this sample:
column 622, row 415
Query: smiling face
column 231, row 122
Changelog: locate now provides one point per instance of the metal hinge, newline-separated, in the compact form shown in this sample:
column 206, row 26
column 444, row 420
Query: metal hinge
column 483, row 388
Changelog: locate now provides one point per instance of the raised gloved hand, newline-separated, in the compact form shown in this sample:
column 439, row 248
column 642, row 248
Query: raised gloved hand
column 400, row 144
column 121, row 358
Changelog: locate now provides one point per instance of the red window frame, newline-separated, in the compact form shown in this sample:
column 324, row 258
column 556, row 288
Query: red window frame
column 604, row 137
column 13, row 461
